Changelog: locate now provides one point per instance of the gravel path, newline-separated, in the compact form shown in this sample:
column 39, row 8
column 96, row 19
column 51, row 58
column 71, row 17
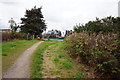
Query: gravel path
column 21, row 67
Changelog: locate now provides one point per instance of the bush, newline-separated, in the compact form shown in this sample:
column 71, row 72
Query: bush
column 6, row 36
column 101, row 51
column 104, row 25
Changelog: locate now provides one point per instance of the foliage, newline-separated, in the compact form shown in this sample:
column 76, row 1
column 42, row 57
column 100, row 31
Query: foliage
column 33, row 22
column 99, row 50
column 55, row 72
column 13, row 36
column 79, row 75
column 66, row 64
column 108, row 24
column 56, row 59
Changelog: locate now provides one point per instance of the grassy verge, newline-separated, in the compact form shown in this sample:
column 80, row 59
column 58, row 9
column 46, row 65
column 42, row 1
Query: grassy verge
column 61, row 59
column 37, row 59
column 64, row 62
column 11, row 51
column 62, row 65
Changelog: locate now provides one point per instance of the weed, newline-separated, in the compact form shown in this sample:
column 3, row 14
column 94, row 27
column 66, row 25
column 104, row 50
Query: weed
column 61, row 55
column 99, row 50
column 4, row 54
column 55, row 72
column 66, row 65
column 56, row 59
column 79, row 75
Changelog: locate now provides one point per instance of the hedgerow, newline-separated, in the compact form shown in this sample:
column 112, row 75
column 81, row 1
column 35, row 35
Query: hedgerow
column 101, row 51
column 11, row 36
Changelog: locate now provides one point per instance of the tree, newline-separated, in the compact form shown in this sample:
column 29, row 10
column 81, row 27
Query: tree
column 104, row 25
column 33, row 22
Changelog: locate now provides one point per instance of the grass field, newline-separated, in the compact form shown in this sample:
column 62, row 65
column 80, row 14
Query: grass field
column 11, row 51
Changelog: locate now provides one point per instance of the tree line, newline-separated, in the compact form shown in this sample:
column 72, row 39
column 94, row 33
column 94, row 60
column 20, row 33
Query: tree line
column 104, row 25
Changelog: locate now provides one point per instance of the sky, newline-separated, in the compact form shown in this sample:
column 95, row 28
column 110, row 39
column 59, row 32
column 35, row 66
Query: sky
column 59, row 14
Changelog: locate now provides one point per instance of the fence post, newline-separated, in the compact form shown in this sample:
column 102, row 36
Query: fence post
column 27, row 36
column 33, row 37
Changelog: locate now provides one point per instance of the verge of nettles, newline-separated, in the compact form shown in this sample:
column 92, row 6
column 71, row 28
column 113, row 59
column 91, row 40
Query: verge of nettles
column 99, row 50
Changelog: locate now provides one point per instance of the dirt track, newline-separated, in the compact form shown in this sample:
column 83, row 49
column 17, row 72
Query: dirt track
column 21, row 67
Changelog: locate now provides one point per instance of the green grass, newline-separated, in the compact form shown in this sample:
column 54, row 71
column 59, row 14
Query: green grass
column 61, row 56
column 55, row 72
column 12, row 50
column 79, row 74
column 64, row 62
column 67, row 62
column 64, row 65
column 37, row 59
column 56, row 59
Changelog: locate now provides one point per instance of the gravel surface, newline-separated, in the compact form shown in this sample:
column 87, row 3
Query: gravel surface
column 21, row 67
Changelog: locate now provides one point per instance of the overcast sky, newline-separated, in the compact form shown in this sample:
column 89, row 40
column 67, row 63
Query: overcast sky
column 59, row 14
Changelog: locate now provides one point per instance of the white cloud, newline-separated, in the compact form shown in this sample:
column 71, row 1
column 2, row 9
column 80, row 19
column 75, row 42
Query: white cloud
column 59, row 14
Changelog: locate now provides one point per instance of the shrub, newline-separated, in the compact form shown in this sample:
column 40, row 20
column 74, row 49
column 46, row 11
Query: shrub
column 10, row 36
column 104, row 25
column 101, row 51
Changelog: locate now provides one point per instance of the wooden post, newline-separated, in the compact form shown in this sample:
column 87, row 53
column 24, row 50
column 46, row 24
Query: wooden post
column 33, row 37
column 27, row 36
